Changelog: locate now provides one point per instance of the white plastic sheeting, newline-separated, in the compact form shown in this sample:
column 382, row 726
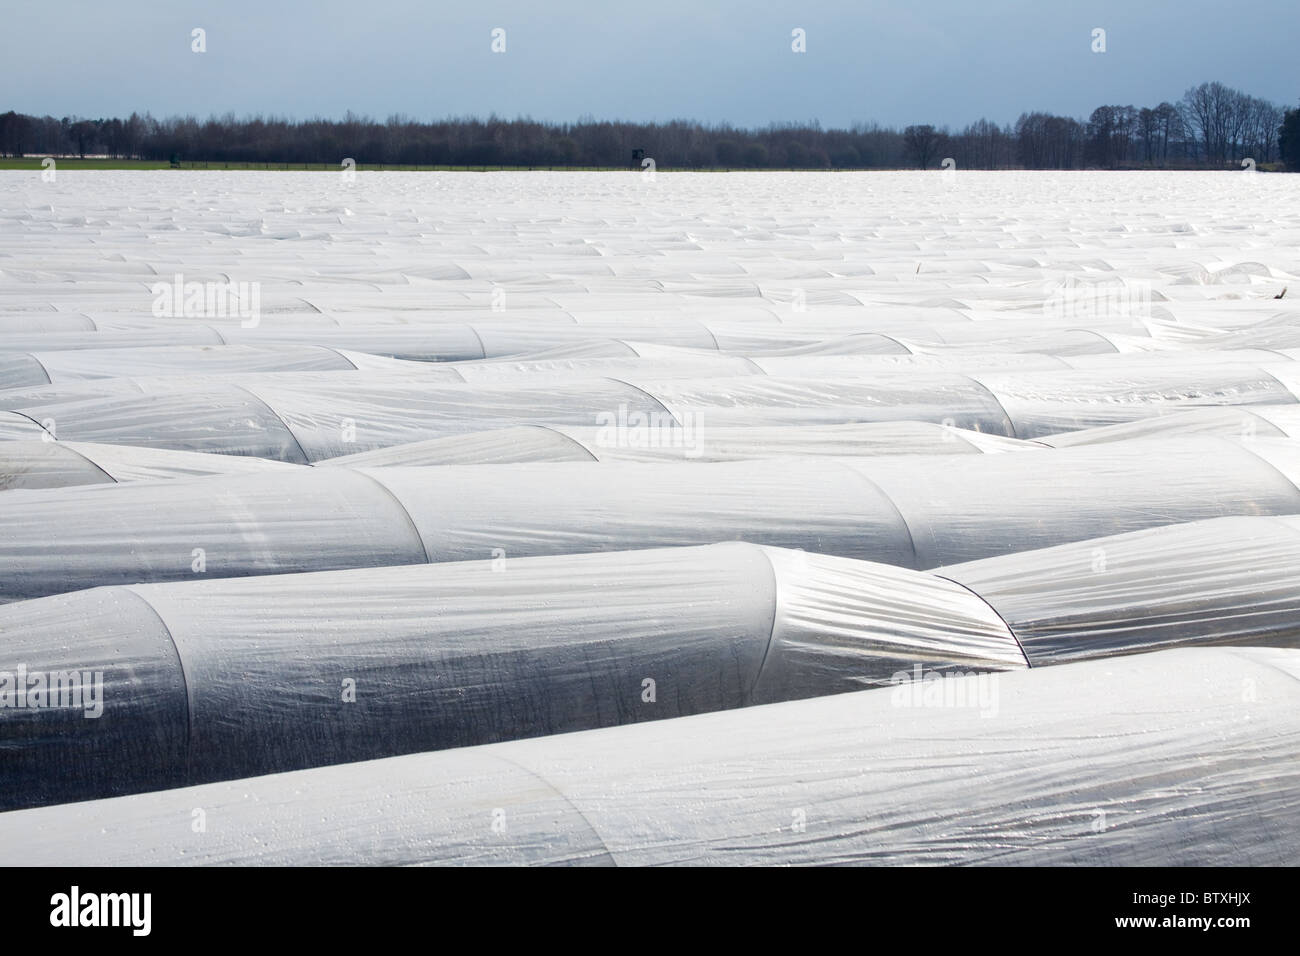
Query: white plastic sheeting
column 998, row 504
column 49, row 464
column 16, row 426
column 440, row 343
column 52, row 464
column 1268, row 421
column 303, row 422
column 299, row 424
column 1223, row 581
column 900, row 250
column 748, row 316
column 630, row 442
column 41, row 368
column 103, row 372
column 80, row 390
column 453, row 338
column 607, row 358
column 29, row 369
column 252, row 675
column 901, row 510
column 1049, row 402
column 244, row 676
column 1187, row 770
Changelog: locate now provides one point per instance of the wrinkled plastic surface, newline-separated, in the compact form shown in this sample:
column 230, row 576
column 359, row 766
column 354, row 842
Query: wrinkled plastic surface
column 1044, row 403
column 221, row 527
column 300, row 424
column 75, row 364
column 1187, row 769
column 252, row 675
column 999, row 504
column 301, row 420
column 1271, row 421
column 632, row 443
column 901, row 511
column 1015, row 304
column 1223, row 581
column 52, row 464
column 14, row 426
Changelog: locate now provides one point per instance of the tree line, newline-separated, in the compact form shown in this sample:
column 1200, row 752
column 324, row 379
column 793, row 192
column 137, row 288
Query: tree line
column 1212, row 126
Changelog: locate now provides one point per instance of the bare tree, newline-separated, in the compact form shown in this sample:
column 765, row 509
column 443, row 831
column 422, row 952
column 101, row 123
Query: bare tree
column 1215, row 125
column 1170, row 124
column 1288, row 140
column 921, row 143
column 1210, row 110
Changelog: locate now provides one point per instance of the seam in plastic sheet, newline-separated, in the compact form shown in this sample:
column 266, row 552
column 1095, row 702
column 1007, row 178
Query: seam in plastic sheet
column 559, row 793
column 180, row 664
column 1093, row 332
column 248, row 390
column 1285, row 387
column 1011, row 631
column 907, row 349
column 428, row 559
column 86, row 458
column 1267, row 464
column 482, row 349
column 771, row 631
column 330, row 348
column 1011, row 422
column 49, row 379
column 44, row 430
column 315, row 308
column 570, row 439
column 650, row 395
column 902, row 518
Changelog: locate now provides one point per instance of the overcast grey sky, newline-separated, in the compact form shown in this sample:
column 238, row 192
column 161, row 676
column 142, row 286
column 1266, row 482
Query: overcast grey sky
column 936, row 61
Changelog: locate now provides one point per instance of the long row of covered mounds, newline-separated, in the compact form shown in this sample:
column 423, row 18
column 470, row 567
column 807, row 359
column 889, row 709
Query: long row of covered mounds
column 41, row 378
column 371, row 371
column 898, row 510
column 425, row 330
column 847, row 356
column 633, row 442
column 1245, row 422
column 537, row 443
column 598, row 358
column 229, row 677
column 877, row 777
column 407, row 566
column 587, row 358
column 456, row 341
column 640, row 363
column 52, row 464
column 226, row 415
column 27, row 369
column 466, row 335
column 1221, row 581
column 306, row 423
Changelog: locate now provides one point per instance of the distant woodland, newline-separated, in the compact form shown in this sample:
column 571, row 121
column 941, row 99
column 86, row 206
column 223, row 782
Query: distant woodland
column 1212, row 127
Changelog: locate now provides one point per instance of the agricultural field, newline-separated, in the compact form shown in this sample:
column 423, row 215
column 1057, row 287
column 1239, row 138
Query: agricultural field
column 649, row 517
